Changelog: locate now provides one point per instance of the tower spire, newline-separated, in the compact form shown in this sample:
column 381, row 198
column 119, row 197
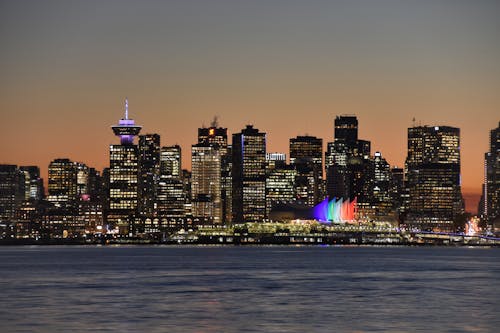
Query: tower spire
column 126, row 108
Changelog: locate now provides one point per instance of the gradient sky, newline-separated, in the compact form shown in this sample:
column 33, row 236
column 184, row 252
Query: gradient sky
column 288, row 67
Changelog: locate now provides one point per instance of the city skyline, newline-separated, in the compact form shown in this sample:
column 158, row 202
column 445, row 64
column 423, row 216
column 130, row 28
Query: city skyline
column 287, row 69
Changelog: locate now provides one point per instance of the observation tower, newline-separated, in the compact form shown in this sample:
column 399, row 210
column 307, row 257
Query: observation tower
column 126, row 128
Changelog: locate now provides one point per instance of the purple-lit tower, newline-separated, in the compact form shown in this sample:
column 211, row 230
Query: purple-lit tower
column 123, row 177
column 126, row 129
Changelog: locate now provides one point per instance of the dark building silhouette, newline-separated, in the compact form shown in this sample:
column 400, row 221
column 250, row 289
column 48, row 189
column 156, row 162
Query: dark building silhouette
column 490, row 208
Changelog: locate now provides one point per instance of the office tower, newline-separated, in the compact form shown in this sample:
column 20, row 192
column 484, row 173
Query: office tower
column 170, row 162
column 12, row 192
column 249, row 175
column 95, row 186
column 206, row 183
column 216, row 137
column 382, row 197
column 433, row 177
column 123, row 176
column 213, row 135
column 491, row 188
column 306, row 155
column 63, row 185
column 397, row 190
column 34, row 189
column 347, row 162
column 82, row 179
column 149, row 173
column 186, row 182
column 170, row 194
column 280, row 181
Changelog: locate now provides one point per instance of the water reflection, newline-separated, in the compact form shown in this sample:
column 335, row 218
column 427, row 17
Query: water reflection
column 233, row 289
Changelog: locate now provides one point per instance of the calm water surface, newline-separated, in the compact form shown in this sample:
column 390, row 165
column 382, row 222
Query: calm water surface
column 244, row 289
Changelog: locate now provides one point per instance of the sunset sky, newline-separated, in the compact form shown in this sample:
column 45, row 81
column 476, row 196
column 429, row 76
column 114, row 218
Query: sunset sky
column 288, row 67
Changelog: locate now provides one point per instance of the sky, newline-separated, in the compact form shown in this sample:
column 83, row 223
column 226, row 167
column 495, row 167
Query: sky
column 287, row 67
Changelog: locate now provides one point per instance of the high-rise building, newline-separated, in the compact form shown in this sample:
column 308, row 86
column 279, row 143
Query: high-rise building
column 249, row 175
column 306, row 155
column 280, row 181
column 149, row 173
column 186, row 182
column 170, row 162
column 82, row 179
column 206, row 183
column 12, row 191
column 216, row 137
column 123, row 176
column 63, row 185
column 491, row 189
column 382, row 197
column 348, row 163
column 433, row 177
column 34, row 189
column 170, row 193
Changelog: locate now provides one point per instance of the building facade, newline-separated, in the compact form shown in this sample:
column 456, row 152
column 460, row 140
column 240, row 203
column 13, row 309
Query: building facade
column 433, row 177
column 123, row 177
column 249, row 175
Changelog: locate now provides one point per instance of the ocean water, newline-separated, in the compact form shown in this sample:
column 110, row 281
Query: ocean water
column 249, row 289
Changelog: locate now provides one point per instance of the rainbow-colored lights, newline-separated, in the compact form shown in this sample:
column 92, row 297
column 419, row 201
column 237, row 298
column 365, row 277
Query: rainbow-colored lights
column 336, row 210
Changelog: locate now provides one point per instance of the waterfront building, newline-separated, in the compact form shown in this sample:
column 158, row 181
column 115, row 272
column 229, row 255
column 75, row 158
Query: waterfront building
column 306, row 156
column 123, row 176
column 249, row 175
column 433, row 177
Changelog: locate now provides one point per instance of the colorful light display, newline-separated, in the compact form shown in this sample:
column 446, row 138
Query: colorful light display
column 336, row 210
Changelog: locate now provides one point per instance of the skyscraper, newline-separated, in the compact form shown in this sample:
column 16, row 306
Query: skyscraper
column 34, row 189
column 249, row 175
column 63, row 184
column 280, row 181
column 206, row 184
column 11, row 191
column 491, row 188
column 306, row 155
column 216, row 137
column 433, row 177
column 149, row 173
column 347, row 162
column 170, row 193
column 123, row 176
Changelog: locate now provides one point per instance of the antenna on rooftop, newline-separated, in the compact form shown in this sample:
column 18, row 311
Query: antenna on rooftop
column 126, row 108
column 215, row 122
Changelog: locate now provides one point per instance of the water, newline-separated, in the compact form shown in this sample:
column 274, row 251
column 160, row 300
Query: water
column 245, row 289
